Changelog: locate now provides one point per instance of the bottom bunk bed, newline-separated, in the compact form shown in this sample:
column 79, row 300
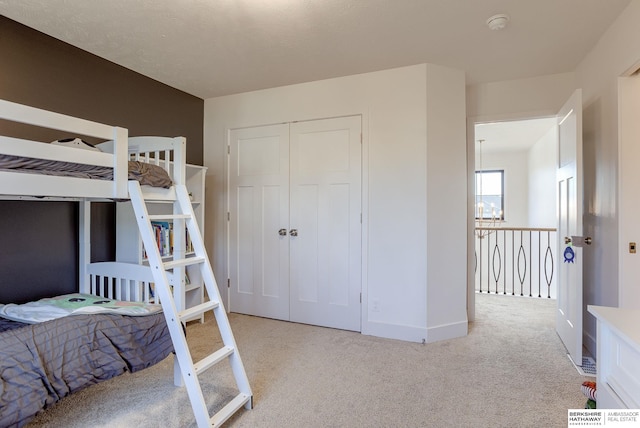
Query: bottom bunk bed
column 76, row 344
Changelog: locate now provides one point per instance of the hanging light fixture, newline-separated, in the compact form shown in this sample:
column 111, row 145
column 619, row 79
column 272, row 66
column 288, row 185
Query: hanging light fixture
column 487, row 218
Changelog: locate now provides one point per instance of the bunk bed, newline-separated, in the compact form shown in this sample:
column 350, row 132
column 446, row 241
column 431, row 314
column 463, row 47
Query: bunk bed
column 41, row 363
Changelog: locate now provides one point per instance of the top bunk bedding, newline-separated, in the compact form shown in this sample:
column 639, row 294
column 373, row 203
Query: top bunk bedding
column 38, row 169
column 144, row 173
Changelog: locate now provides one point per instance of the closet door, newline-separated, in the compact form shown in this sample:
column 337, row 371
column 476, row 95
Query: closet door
column 258, row 221
column 325, row 222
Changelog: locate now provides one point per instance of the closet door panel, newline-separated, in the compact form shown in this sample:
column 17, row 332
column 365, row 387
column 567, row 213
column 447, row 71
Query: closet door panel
column 258, row 211
column 325, row 210
column 244, row 231
column 337, row 260
column 304, row 247
column 274, row 247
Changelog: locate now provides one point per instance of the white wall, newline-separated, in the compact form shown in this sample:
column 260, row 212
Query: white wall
column 542, row 164
column 413, row 165
column 597, row 74
column 447, row 208
column 629, row 206
column 536, row 97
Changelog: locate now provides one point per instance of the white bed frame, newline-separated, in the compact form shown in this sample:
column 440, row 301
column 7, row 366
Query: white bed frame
column 131, row 281
column 127, row 281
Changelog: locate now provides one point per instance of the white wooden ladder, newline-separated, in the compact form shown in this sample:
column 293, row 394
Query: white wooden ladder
column 162, row 272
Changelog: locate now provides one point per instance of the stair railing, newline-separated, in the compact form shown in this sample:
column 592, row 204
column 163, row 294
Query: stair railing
column 516, row 261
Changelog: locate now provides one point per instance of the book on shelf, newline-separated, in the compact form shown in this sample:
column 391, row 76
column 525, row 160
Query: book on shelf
column 188, row 243
column 163, row 232
column 164, row 236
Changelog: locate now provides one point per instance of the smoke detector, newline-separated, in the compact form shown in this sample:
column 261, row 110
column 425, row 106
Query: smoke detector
column 498, row 22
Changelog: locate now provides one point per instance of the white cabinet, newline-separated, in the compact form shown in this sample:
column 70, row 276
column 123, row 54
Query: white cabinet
column 618, row 357
column 189, row 291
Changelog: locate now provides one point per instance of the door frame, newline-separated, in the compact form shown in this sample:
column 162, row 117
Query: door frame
column 364, row 115
column 472, row 121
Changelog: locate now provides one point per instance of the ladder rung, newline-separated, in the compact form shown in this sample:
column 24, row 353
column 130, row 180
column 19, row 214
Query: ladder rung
column 169, row 216
column 189, row 261
column 213, row 359
column 228, row 410
column 198, row 309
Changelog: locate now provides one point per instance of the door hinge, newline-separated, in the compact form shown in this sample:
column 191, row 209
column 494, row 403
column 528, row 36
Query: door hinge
column 228, row 282
column 360, row 218
column 228, row 149
column 360, row 297
column 228, row 216
column 361, row 138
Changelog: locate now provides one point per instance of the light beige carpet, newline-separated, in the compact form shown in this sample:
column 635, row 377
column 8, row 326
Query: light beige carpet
column 510, row 371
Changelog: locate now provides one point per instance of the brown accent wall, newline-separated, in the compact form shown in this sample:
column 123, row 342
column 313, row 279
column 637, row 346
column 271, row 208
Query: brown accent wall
column 39, row 240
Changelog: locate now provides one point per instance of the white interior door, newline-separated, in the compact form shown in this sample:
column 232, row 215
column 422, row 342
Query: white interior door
column 570, row 196
column 259, row 221
column 325, row 216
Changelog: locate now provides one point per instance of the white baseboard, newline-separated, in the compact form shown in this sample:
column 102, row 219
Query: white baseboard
column 395, row 331
column 416, row 334
column 447, row 331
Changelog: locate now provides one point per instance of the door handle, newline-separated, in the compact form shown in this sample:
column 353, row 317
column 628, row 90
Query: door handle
column 282, row 232
column 578, row 241
column 293, row 232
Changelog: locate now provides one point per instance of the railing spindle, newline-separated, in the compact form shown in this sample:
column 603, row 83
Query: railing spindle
column 504, row 245
column 513, row 258
column 547, row 277
column 481, row 265
column 531, row 261
column 496, row 254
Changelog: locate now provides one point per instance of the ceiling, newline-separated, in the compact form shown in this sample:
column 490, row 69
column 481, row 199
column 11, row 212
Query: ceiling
column 209, row 48
column 512, row 136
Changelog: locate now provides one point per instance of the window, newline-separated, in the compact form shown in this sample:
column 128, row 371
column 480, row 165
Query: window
column 489, row 194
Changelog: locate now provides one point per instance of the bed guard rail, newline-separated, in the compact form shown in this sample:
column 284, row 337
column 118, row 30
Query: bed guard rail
column 19, row 113
column 122, row 281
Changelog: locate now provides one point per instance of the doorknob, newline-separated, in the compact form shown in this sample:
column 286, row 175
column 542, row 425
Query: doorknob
column 282, row 232
column 293, row 232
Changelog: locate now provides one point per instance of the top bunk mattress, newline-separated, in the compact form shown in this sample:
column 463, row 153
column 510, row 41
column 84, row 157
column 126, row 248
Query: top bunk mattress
column 145, row 173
